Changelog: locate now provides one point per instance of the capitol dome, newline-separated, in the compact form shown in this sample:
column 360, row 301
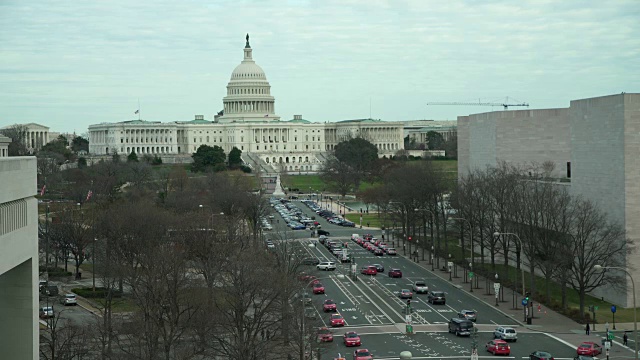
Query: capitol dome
column 248, row 93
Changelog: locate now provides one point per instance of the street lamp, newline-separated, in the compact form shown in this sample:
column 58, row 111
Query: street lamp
column 470, row 277
column 432, row 262
column 496, row 234
column 633, row 289
column 425, row 227
column 496, row 288
column 470, row 246
column 449, row 266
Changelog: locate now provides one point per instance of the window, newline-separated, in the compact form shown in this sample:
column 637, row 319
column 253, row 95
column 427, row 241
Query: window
column 569, row 169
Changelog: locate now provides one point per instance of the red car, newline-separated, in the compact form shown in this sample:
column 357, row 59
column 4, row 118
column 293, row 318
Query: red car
column 337, row 320
column 589, row 348
column 325, row 335
column 391, row 251
column 318, row 288
column 329, row 305
column 351, row 338
column 395, row 273
column 369, row 270
column 498, row 347
column 362, row 354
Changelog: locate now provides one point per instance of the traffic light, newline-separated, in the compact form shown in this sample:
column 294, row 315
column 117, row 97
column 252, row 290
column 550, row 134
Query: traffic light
column 408, row 302
column 409, row 238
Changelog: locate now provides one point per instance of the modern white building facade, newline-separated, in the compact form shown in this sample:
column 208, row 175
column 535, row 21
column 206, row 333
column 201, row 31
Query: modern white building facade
column 248, row 122
column 595, row 146
column 19, row 333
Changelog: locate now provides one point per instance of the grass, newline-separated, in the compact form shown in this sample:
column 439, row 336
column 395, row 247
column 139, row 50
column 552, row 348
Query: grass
column 118, row 305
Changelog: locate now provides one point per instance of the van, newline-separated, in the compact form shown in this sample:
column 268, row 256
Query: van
column 49, row 290
column 460, row 327
column 354, row 236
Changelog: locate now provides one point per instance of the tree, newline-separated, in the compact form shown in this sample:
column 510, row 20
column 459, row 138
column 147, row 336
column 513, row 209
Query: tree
column 450, row 146
column 338, row 175
column 18, row 136
column 235, row 158
column 79, row 144
column 58, row 146
column 82, row 162
column 133, row 157
column 359, row 154
column 208, row 158
column 435, row 140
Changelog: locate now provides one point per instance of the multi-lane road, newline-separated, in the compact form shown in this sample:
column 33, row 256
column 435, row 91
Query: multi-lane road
column 371, row 306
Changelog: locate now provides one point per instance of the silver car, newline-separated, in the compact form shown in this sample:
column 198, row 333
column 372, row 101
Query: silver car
column 69, row 299
column 471, row 315
column 506, row 334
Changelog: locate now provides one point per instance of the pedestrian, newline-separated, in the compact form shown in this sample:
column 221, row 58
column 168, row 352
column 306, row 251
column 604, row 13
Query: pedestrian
column 588, row 329
column 624, row 339
column 367, row 224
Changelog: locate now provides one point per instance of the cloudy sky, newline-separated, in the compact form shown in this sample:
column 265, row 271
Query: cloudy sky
column 69, row 64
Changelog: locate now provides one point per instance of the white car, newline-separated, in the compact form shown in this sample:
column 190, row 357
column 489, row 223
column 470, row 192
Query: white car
column 506, row 334
column 326, row 265
column 420, row 287
column 69, row 299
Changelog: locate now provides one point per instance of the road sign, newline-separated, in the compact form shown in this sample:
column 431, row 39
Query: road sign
column 607, row 345
column 408, row 319
column 525, row 302
column 470, row 274
column 613, row 309
column 610, row 336
column 496, row 287
column 596, row 307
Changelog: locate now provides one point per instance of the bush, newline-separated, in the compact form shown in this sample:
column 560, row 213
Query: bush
column 245, row 169
column 156, row 160
column 100, row 292
column 55, row 271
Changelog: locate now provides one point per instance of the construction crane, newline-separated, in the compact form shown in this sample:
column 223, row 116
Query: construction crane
column 504, row 104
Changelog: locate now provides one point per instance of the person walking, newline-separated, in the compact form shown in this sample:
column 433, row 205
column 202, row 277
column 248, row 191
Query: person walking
column 624, row 339
column 588, row 329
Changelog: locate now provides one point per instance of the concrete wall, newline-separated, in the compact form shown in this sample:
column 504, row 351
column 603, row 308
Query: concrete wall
column 19, row 334
column 606, row 167
column 519, row 137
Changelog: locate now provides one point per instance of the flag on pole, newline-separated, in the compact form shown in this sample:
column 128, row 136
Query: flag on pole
column 44, row 187
column 89, row 194
column 137, row 111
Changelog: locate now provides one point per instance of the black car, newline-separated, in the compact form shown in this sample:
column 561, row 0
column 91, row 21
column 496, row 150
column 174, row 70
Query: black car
column 323, row 232
column 540, row 355
column 310, row 261
column 379, row 267
column 436, row 297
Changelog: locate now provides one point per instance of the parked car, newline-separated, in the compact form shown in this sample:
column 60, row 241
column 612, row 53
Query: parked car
column 470, row 315
column 460, row 327
column 46, row 312
column 498, row 347
column 420, row 287
column 395, row 273
column 436, row 297
column 540, row 355
column 69, row 299
column 589, row 348
column 351, row 338
column 49, row 290
column 326, row 265
column 505, row 333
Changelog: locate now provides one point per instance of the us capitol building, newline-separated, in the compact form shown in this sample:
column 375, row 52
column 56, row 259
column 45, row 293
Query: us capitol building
column 249, row 122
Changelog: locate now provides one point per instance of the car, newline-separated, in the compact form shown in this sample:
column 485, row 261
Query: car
column 326, row 266
column 306, row 277
column 405, row 294
column 379, row 268
column 395, row 273
column 391, row 251
column 362, row 354
column 50, row 290
column 310, row 313
column 305, row 298
column 498, row 347
column 420, row 287
column 470, row 315
column 336, row 320
column 589, row 348
column 505, row 333
column 318, row 288
column 310, row 261
column 323, row 232
column 46, row 312
column 583, row 357
column 322, row 239
column 329, row 305
column 69, row 299
column 378, row 252
column 351, row 338
column 369, row 270
column 540, row 355
column 436, row 297
column 325, row 335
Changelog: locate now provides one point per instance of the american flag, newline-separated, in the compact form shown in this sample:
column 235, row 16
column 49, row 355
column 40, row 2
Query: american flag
column 89, row 194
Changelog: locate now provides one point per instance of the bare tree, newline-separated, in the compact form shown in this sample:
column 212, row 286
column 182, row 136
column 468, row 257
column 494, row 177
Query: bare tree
column 64, row 340
column 339, row 175
column 18, row 135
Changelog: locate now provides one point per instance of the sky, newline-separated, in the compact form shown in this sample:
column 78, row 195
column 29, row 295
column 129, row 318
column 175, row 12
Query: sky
column 70, row 64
